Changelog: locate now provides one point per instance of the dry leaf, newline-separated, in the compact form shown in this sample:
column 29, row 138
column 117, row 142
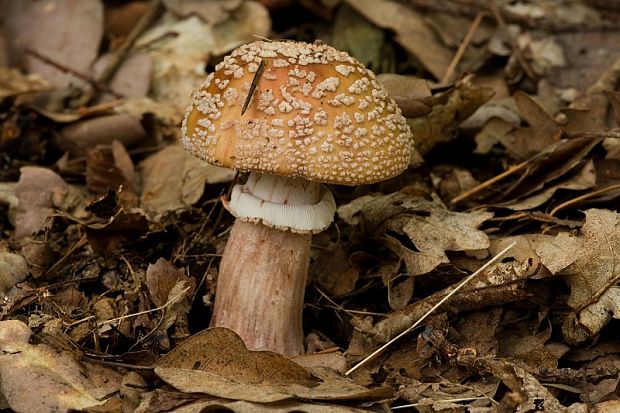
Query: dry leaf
column 334, row 360
column 494, row 286
column 213, row 11
column 157, row 400
column 534, row 396
column 449, row 110
column 70, row 299
column 584, row 178
column 221, row 351
column 543, row 54
column 13, row 83
column 68, row 32
column 524, row 343
column 83, row 135
column 411, row 31
column 35, row 191
column 331, row 387
column 109, row 168
column 181, row 48
column 161, row 277
column 543, row 130
column 435, row 397
column 224, row 367
column 491, row 133
column 412, row 95
column 363, row 40
column 610, row 406
column 431, row 227
column 173, row 179
column 589, row 264
column 333, row 272
column 132, row 79
column 59, row 381
column 478, row 330
column 13, row 269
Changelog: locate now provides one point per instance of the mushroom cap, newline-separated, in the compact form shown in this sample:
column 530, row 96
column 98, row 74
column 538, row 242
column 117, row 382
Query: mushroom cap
column 316, row 113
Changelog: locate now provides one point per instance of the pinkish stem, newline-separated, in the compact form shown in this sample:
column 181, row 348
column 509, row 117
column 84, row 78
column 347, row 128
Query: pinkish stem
column 260, row 287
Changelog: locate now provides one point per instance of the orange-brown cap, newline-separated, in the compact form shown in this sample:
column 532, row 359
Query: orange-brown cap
column 316, row 113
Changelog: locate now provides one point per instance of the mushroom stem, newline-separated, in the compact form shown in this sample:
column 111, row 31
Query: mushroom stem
column 263, row 273
column 260, row 287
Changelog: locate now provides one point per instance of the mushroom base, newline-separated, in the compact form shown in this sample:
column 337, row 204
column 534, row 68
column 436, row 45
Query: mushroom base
column 260, row 287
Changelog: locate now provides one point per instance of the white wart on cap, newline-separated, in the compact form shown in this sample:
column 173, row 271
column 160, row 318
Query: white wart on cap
column 317, row 114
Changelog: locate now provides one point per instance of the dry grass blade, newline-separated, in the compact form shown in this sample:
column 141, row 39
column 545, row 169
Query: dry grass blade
column 432, row 310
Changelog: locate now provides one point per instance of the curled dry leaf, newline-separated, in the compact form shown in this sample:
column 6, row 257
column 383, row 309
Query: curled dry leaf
column 170, row 286
column 412, row 95
column 431, row 227
column 109, row 168
column 533, row 395
column 582, row 178
column 61, row 382
column 161, row 277
column 173, row 179
column 497, row 285
column 224, row 367
column 590, row 263
column 435, row 397
column 35, row 191
column 450, row 109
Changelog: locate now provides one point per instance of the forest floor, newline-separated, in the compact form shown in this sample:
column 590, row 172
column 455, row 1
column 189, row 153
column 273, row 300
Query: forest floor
column 482, row 279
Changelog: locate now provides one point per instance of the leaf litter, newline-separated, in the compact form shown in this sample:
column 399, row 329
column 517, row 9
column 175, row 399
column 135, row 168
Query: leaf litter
column 112, row 234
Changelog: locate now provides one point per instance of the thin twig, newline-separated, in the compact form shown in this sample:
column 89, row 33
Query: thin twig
column 462, row 399
column 152, row 310
column 360, row 312
column 112, row 320
column 583, row 197
column 253, row 85
column 513, row 43
column 333, row 303
column 432, row 310
column 490, row 182
column 202, row 280
column 611, row 133
column 94, row 359
column 220, row 214
column 48, row 60
column 119, row 54
column 462, row 47
column 79, row 243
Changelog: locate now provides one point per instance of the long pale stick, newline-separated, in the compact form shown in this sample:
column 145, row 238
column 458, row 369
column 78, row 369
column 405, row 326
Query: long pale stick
column 429, row 312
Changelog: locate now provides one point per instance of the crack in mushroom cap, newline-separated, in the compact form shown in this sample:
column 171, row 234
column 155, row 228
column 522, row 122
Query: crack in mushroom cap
column 317, row 113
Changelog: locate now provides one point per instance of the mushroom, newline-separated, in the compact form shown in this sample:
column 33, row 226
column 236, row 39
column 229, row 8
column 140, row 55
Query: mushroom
column 315, row 116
